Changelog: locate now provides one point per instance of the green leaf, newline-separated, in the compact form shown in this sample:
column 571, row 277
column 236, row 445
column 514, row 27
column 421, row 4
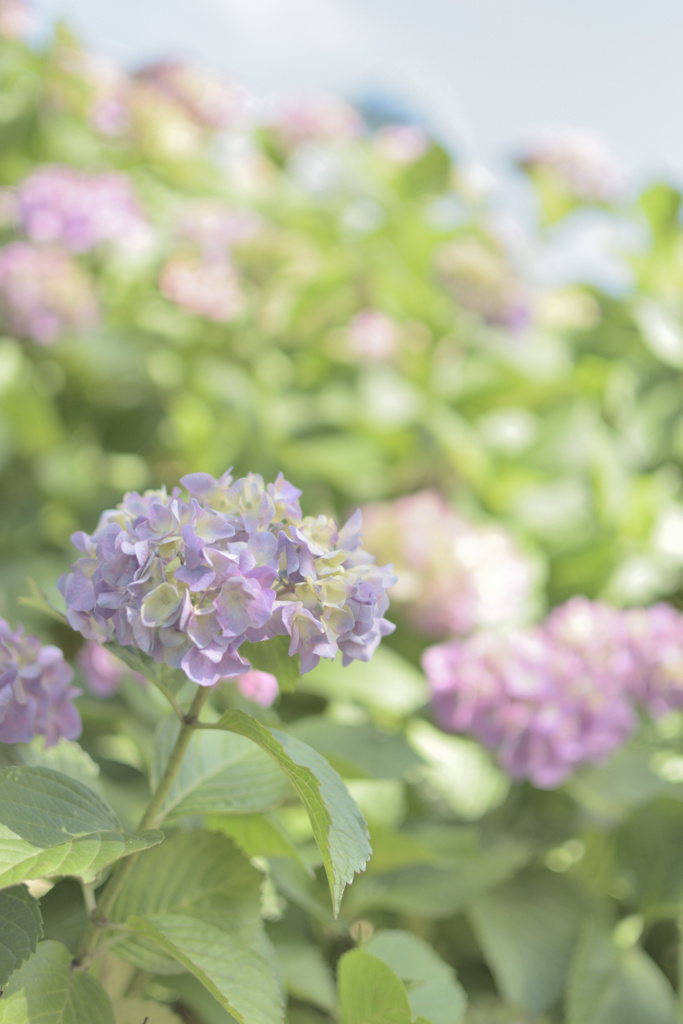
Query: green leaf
column 273, row 656
column 370, row 992
column 46, row 991
column 648, row 848
column 160, row 675
column 193, row 872
column 236, row 976
column 220, row 773
column 135, row 1011
column 338, row 826
column 527, row 930
column 53, row 825
column 607, row 985
column 66, row 757
column 20, row 928
column 257, row 835
column 39, row 601
column 431, row 984
column 359, row 750
column 306, row 974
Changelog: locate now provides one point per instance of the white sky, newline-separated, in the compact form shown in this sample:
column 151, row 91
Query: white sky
column 484, row 71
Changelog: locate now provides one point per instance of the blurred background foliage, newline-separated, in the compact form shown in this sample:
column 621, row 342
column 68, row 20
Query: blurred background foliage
column 337, row 298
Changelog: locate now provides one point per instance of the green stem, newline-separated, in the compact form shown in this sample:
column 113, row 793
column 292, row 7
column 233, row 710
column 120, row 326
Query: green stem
column 152, row 817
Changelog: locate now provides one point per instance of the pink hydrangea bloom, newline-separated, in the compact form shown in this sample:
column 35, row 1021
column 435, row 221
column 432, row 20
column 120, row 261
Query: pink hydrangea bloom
column 261, row 687
column 205, row 98
column 44, row 294
column 210, row 289
column 103, row 671
column 578, row 159
column 453, row 576
column 373, row 336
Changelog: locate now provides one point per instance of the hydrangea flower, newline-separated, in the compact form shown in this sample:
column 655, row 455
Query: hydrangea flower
column 562, row 694
column 187, row 580
column 44, row 294
column 453, row 576
column 60, row 204
column 401, row 144
column 579, row 160
column 103, row 671
column 482, row 281
column 35, row 696
column 204, row 98
column 214, row 228
column 373, row 336
column 16, row 19
column 321, row 117
column 208, row 288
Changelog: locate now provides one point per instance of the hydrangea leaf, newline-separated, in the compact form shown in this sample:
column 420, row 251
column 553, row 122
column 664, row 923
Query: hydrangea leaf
column 432, row 987
column 370, row 992
column 221, row 773
column 338, row 825
column 161, row 675
column 527, row 929
column 45, row 989
column 134, row 1011
column 608, row 985
column 238, row 978
column 54, row 825
column 257, row 835
column 21, row 926
column 359, row 750
column 193, row 872
column 273, row 656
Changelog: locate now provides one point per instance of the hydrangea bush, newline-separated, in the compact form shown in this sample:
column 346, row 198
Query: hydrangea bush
column 192, row 278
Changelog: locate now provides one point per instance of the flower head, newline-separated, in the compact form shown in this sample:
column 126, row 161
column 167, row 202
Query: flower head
column 44, row 294
column 578, row 160
column 453, row 576
column 35, row 696
column 204, row 98
column 60, row 204
column 482, row 281
column 188, row 579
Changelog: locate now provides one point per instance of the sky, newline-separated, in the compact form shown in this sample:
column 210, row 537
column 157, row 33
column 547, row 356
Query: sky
column 484, row 72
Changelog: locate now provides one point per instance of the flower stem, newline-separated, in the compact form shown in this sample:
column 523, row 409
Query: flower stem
column 150, row 819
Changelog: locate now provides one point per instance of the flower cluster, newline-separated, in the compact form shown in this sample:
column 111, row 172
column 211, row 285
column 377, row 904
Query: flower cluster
column 35, row 696
column 578, row 160
column 453, row 576
column 554, row 697
column 482, row 281
column 44, row 294
column 204, row 98
column 60, row 204
column 188, row 580
column 321, row 117
column 209, row 289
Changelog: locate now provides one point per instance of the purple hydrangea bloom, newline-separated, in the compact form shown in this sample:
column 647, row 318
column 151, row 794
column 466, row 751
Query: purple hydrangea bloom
column 563, row 694
column 60, row 204
column 188, row 579
column 35, row 696
column 44, row 294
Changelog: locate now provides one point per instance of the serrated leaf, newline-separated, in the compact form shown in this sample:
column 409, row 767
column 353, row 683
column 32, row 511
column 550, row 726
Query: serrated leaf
column 220, row 773
column 607, row 985
column 527, row 930
column 46, row 991
column 235, row 975
column 53, row 825
column 67, row 757
column 431, row 984
column 338, row 826
column 370, row 992
column 20, row 928
column 192, row 872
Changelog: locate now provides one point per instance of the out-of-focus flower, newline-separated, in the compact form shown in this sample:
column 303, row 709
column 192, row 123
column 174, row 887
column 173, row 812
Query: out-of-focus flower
column 482, row 281
column 35, row 696
column 77, row 210
column 578, row 160
column 214, row 228
column 16, row 19
column 44, row 294
column 261, row 687
column 209, row 289
column 103, row 670
column 89, row 85
column 187, row 581
column 205, row 99
column 315, row 118
column 562, row 694
column 453, row 576
column 373, row 335
column 401, row 143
